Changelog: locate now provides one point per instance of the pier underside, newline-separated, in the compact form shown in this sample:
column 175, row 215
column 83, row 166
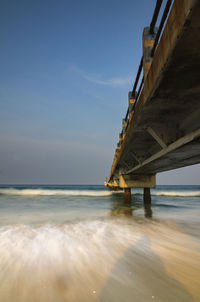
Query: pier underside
column 164, row 131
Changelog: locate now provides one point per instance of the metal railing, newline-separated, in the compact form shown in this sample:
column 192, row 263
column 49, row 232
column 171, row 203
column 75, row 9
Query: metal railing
column 157, row 38
column 139, row 80
column 162, row 22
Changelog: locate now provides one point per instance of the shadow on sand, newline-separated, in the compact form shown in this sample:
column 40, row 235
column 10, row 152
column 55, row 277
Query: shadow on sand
column 140, row 276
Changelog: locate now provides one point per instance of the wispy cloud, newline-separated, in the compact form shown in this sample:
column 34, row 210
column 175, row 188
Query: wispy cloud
column 97, row 79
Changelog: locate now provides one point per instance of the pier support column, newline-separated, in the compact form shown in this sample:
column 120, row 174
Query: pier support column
column 147, row 203
column 147, row 196
column 127, row 194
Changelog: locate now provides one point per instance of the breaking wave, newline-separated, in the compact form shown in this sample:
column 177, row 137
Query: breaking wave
column 177, row 193
column 46, row 192
column 170, row 193
column 91, row 193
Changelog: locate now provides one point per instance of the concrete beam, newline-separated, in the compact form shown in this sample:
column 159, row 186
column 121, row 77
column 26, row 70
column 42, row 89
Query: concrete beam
column 126, row 164
column 115, row 183
column 179, row 143
column 156, row 137
column 137, row 181
column 135, row 157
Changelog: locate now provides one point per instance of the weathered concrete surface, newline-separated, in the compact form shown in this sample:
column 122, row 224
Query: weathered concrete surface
column 164, row 132
column 137, row 181
column 127, row 194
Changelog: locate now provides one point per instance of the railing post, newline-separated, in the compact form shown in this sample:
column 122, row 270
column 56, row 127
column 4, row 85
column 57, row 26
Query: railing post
column 124, row 125
column 121, row 138
column 148, row 42
column 131, row 103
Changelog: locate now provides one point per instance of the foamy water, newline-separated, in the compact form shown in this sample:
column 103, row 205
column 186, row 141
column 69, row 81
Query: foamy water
column 45, row 192
column 81, row 244
column 177, row 193
column 93, row 193
column 98, row 261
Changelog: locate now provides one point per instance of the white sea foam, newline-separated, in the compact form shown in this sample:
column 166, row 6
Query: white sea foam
column 174, row 193
column 91, row 193
column 50, row 192
column 98, row 261
column 177, row 193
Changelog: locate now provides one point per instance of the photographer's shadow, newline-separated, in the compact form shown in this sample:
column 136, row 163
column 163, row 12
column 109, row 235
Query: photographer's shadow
column 140, row 276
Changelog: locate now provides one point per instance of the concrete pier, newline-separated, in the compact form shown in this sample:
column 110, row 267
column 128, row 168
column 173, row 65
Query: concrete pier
column 161, row 129
column 147, row 203
column 147, row 196
column 127, row 194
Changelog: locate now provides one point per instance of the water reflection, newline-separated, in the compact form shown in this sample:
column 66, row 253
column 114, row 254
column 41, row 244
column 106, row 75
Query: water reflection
column 121, row 208
column 147, row 210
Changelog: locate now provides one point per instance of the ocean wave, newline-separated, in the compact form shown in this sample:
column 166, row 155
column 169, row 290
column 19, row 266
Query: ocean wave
column 90, row 193
column 177, row 193
column 169, row 193
column 48, row 192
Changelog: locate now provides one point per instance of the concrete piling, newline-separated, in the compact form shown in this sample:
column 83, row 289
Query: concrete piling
column 127, row 194
column 147, row 196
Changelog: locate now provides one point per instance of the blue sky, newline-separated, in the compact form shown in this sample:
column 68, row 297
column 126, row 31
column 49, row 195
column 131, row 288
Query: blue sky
column 66, row 69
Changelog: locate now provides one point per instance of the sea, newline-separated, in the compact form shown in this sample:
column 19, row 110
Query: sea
column 85, row 243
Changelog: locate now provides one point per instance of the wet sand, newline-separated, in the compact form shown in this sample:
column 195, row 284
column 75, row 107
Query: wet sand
column 99, row 260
